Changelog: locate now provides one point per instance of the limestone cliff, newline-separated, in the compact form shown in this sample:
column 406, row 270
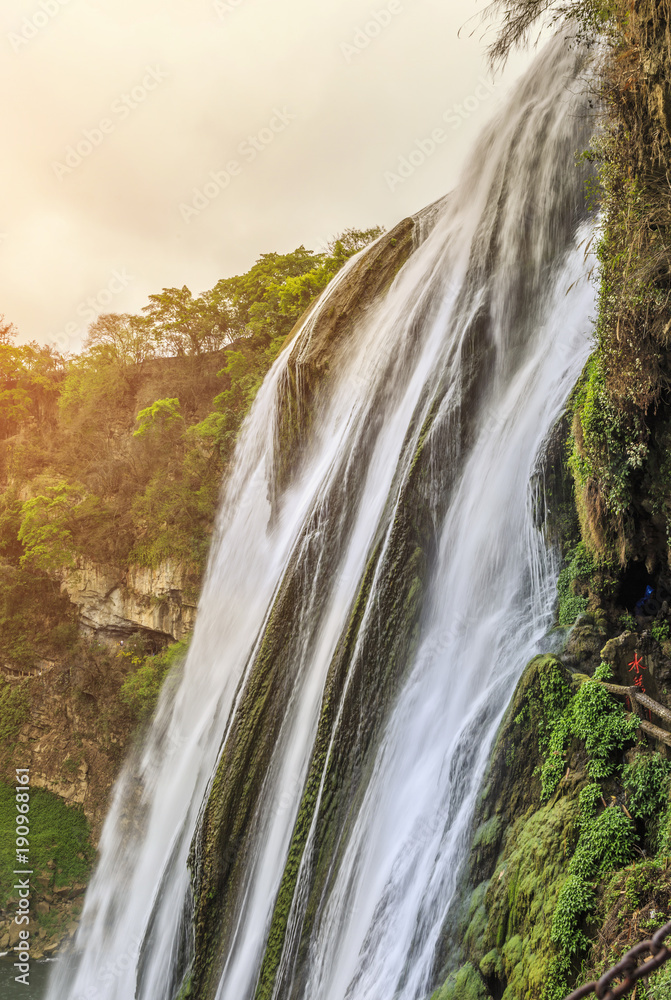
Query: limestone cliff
column 112, row 604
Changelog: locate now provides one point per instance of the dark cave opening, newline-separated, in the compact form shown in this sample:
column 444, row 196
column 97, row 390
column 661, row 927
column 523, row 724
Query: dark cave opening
column 633, row 586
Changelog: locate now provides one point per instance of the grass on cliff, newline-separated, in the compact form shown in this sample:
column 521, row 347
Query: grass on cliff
column 60, row 851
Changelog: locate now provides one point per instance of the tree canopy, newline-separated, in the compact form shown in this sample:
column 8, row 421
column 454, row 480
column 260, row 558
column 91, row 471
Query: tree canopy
column 117, row 453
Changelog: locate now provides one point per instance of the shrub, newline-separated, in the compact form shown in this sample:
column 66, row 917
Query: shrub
column 595, row 718
column 660, row 631
column 571, row 609
column 606, row 842
column 141, row 689
column 646, row 780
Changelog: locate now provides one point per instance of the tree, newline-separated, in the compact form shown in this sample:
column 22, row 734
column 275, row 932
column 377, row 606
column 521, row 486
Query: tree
column 270, row 297
column 7, row 331
column 14, row 408
column 351, row 241
column 30, row 379
column 129, row 338
column 50, row 521
column 181, row 324
column 297, row 293
column 252, row 299
column 161, row 416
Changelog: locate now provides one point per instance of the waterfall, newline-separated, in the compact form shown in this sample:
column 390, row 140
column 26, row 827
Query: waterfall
column 295, row 822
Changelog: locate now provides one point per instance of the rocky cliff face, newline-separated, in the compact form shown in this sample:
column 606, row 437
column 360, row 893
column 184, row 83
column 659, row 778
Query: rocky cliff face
column 114, row 603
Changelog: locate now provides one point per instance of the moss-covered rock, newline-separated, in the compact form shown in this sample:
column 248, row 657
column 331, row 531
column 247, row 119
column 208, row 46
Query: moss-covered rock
column 512, row 784
column 523, row 892
column 465, row 984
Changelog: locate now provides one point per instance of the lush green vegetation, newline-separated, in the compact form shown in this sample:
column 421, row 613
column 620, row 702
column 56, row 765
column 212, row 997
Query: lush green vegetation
column 577, row 851
column 583, row 875
column 620, row 434
column 595, row 718
column 609, row 837
column 117, row 454
column 142, row 687
column 61, row 853
column 619, row 446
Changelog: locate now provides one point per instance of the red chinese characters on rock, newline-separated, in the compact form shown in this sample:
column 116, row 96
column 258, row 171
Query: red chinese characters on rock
column 636, row 666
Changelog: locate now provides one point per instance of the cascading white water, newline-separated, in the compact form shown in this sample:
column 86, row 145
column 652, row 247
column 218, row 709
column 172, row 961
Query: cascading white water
column 492, row 275
column 491, row 604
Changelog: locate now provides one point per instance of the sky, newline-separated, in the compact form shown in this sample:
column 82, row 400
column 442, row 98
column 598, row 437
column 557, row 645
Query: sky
column 159, row 143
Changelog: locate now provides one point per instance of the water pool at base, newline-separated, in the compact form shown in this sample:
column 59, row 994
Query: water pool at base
column 11, row 990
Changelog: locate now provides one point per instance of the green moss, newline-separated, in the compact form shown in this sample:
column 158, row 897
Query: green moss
column 523, row 895
column 466, row 984
column 60, row 844
column 530, row 920
column 185, row 990
column 476, row 920
column 488, row 833
column 491, row 966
